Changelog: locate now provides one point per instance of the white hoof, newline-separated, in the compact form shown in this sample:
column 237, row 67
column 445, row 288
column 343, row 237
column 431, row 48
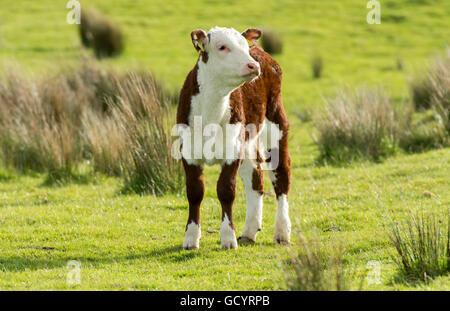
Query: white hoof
column 192, row 236
column 282, row 222
column 227, row 235
column 282, row 237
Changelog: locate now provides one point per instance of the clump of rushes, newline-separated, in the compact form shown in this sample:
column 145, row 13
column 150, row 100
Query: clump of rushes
column 38, row 124
column 117, row 122
column 133, row 140
column 358, row 125
column 422, row 245
column 100, row 34
column 440, row 102
column 271, row 42
column 432, row 86
column 430, row 92
column 420, row 92
column 424, row 132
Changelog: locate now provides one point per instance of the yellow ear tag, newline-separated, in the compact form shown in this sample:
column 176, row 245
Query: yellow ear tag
column 250, row 43
column 201, row 48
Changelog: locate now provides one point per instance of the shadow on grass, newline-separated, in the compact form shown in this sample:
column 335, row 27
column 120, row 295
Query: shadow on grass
column 45, row 259
column 58, row 258
column 18, row 264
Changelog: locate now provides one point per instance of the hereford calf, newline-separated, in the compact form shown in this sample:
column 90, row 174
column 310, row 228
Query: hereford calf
column 237, row 89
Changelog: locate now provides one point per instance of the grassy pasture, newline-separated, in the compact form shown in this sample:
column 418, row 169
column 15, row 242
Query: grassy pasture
column 134, row 242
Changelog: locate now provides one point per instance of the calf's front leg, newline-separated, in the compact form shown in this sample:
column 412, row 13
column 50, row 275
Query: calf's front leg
column 195, row 189
column 226, row 192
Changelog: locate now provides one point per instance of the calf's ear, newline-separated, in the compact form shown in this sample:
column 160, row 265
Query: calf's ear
column 252, row 35
column 199, row 39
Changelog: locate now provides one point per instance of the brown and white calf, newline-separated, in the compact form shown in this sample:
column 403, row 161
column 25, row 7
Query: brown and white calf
column 233, row 87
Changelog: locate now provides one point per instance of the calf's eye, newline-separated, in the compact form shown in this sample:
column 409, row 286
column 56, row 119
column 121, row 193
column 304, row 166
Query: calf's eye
column 222, row 48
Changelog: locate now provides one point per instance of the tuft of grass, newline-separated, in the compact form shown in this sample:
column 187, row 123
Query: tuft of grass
column 312, row 266
column 316, row 66
column 100, row 34
column 358, row 125
column 271, row 42
column 422, row 245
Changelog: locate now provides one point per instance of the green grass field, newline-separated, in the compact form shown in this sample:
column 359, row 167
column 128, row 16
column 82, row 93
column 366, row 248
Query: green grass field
column 134, row 242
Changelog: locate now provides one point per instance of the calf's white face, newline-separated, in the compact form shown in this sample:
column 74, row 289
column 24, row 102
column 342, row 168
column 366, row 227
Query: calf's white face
column 227, row 51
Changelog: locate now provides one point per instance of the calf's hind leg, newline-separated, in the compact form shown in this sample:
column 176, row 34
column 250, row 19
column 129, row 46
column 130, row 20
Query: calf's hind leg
column 281, row 178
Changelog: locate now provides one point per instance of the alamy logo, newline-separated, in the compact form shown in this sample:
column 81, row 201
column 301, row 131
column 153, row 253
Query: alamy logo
column 74, row 15
column 74, row 274
column 374, row 275
column 374, row 15
column 217, row 143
